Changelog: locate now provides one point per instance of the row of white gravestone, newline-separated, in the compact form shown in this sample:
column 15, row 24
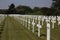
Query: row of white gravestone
column 40, row 26
column 33, row 24
column 2, row 17
column 54, row 20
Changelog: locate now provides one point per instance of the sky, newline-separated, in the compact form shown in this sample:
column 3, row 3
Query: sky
column 32, row 3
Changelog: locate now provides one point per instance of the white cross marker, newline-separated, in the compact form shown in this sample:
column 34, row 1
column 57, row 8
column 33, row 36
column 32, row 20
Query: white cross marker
column 59, row 23
column 39, row 26
column 28, row 24
column 53, row 23
column 48, row 28
column 33, row 25
column 43, row 19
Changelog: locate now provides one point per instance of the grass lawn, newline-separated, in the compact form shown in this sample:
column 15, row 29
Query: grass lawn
column 14, row 30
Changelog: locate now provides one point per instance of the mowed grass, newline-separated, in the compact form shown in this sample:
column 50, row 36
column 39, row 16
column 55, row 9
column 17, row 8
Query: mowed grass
column 14, row 30
column 54, row 33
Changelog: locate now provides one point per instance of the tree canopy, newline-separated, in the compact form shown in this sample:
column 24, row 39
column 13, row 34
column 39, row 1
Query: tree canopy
column 23, row 9
column 11, row 9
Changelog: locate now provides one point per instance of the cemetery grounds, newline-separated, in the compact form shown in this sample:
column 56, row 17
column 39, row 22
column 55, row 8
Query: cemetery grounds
column 16, row 28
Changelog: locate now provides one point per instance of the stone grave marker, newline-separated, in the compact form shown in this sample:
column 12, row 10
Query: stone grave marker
column 29, row 24
column 43, row 17
column 26, row 22
column 39, row 26
column 53, row 21
column 48, row 28
column 48, row 31
column 33, row 24
column 58, row 18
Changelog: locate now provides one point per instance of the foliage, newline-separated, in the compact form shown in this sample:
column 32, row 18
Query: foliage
column 56, row 5
column 3, row 11
column 23, row 9
column 11, row 9
column 26, row 10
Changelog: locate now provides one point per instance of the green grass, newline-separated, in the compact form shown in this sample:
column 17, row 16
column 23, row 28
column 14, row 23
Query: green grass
column 55, row 33
column 14, row 30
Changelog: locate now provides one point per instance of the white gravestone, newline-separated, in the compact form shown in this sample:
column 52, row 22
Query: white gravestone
column 48, row 28
column 35, row 19
column 53, row 21
column 39, row 26
column 59, row 23
column 43, row 19
column 47, row 20
column 48, row 31
column 58, row 20
column 1, row 18
column 28, row 24
column 33, row 24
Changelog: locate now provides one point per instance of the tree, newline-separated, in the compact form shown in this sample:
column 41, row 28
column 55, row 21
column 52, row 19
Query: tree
column 12, row 9
column 44, row 10
column 21, row 9
column 56, row 5
column 37, row 11
column 3, row 11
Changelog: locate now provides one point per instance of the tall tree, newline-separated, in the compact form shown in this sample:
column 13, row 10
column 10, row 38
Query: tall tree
column 56, row 6
column 12, row 9
column 21, row 9
column 37, row 11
